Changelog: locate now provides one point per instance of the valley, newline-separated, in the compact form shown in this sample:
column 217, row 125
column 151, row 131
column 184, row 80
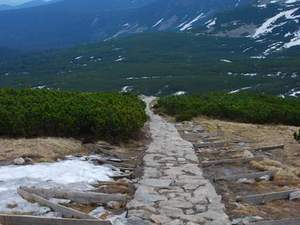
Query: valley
column 155, row 64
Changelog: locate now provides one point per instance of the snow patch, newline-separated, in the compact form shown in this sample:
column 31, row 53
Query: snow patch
column 239, row 90
column 72, row 174
column 127, row 89
column 226, row 60
column 269, row 24
column 178, row 93
column 158, row 23
column 189, row 25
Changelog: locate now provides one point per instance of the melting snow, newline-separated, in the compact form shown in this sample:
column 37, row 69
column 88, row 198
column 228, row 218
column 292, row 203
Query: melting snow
column 226, row 60
column 211, row 23
column 120, row 59
column 78, row 57
column 294, row 41
column 142, row 78
column 158, row 22
column 269, row 25
column 249, row 74
column 238, row 90
column 178, row 93
column 294, row 93
column 188, row 25
column 74, row 173
column 126, row 89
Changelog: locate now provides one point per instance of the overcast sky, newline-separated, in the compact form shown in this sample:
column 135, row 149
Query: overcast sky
column 15, row 2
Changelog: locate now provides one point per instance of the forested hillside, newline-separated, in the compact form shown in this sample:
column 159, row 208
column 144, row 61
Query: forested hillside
column 160, row 64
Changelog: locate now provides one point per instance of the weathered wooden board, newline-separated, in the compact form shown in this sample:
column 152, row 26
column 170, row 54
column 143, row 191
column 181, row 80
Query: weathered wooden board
column 268, row 148
column 33, row 220
column 62, row 210
column 77, row 196
column 295, row 221
column 229, row 161
column 267, row 197
column 125, row 175
column 210, row 144
column 246, row 176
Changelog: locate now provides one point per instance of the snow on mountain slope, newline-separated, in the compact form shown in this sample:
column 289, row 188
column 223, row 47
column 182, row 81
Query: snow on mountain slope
column 93, row 20
column 274, row 25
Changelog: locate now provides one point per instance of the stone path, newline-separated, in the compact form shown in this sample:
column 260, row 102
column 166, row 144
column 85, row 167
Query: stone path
column 173, row 190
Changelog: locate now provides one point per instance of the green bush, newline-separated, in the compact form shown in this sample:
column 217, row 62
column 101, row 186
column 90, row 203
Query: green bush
column 30, row 113
column 241, row 107
column 297, row 136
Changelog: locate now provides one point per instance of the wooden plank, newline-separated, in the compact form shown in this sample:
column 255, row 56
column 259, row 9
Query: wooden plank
column 246, row 176
column 125, row 175
column 34, row 220
column 295, row 221
column 62, row 210
column 268, row 148
column 230, row 161
column 210, row 144
column 77, row 196
column 267, row 197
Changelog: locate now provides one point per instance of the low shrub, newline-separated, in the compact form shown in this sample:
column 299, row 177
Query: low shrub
column 30, row 113
column 241, row 107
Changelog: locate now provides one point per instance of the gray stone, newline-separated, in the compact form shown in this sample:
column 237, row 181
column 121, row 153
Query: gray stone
column 19, row 161
column 151, row 172
column 183, row 204
column 190, row 212
column 194, row 218
column 147, row 194
column 175, row 222
column 191, row 157
column 246, row 220
column 294, row 195
column 114, row 205
column 137, row 221
column 160, row 219
column 160, row 183
column 171, row 212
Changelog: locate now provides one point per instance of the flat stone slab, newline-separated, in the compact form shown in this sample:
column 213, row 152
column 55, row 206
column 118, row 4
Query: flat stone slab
column 173, row 190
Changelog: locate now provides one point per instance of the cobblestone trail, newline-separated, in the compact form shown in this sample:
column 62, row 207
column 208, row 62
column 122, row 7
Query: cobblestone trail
column 173, row 190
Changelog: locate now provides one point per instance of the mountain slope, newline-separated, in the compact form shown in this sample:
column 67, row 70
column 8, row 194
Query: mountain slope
column 70, row 22
column 33, row 3
column 274, row 26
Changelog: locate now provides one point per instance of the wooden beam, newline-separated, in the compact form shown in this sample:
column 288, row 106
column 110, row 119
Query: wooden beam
column 295, row 221
column 229, row 161
column 268, row 148
column 77, row 196
column 267, row 197
column 210, row 144
column 246, row 175
column 34, row 220
column 62, row 210
column 124, row 175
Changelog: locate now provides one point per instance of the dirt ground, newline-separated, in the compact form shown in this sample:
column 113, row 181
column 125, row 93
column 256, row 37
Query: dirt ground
column 38, row 149
column 240, row 138
column 258, row 136
column 50, row 149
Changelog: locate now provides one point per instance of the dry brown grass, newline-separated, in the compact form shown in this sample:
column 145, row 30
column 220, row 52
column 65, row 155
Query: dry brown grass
column 39, row 149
